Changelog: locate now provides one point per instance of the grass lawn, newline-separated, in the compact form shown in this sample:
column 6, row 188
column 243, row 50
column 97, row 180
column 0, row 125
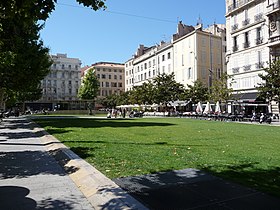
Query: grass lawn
column 244, row 153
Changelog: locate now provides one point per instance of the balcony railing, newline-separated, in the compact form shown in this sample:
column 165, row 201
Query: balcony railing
column 246, row 45
column 246, row 22
column 259, row 40
column 274, row 39
column 238, row 4
column 235, row 70
column 259, row 17
column 234, row 27
column 247, row 67
column 273, row 6
column 259, row 65
column 234, row 48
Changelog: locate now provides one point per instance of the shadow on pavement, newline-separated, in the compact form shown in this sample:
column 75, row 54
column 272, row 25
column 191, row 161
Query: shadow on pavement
column 27, row 163
column 14, row 197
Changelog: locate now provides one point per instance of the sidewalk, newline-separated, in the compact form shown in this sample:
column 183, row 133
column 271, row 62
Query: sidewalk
column 38, row 172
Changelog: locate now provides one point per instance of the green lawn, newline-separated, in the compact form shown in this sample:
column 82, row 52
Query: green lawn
column 244, row 153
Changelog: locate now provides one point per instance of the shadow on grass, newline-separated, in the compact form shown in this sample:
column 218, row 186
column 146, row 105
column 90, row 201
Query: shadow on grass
column 249, row 174
column 195, row 189
column 96, row 123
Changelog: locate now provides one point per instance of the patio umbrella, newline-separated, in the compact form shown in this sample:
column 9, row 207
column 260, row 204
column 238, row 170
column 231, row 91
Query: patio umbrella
column 207, row 109
column 199, row 108
column 218, row 108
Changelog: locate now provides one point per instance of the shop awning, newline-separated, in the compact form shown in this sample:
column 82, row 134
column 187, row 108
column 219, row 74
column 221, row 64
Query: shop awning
column 246, row 97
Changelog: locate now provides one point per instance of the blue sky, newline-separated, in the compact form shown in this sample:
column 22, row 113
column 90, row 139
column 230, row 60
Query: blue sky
column 113, row 35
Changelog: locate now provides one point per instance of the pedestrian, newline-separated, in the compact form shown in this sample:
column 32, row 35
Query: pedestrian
column 262, row 118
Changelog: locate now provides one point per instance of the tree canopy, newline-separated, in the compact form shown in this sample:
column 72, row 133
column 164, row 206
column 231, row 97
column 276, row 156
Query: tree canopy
column 270, row 87
column 221, row 89
column 23, row 56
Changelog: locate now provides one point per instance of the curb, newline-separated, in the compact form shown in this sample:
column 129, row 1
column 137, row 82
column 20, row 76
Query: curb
column 99, row 190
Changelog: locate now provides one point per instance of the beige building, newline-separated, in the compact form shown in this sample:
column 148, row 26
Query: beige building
column 198, row 55
column 193, row 53
column 110, row 76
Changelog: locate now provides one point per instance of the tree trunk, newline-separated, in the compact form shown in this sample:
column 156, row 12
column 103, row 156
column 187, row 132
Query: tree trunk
column 2, row 101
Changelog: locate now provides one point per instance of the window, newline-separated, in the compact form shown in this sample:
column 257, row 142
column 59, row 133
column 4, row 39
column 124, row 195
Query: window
column 120, row 84
column 69, row 66
column 235, row 46
column 107, row 84
column 98, row 69
column 109, row 70
column 163, row 58
column 246, row 40
column 189, row 73
column 98, row 76
column 145, row 65
column 62, row 66
column 103, row 76
column 109, row 76
column 259, row 38
column 120, row 76
column 115, row 77
column 168, row 55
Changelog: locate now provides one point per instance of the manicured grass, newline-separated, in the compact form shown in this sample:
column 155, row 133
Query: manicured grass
column 248, row 154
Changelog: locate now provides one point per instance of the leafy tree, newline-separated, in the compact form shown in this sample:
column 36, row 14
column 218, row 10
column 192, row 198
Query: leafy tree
column 89, row 89
column 23, row 56
column 221, row 89
column 197, row 92
column 143, row 94
column 270, row 87
column 166, row 89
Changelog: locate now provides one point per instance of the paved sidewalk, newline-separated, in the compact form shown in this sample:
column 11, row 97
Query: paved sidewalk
column 31, row 176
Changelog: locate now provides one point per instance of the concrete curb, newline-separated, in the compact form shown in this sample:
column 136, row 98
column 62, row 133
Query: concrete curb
column 100, row 191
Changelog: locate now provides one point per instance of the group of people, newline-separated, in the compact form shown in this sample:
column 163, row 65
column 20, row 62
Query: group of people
column 263, row 118
column 116, row 112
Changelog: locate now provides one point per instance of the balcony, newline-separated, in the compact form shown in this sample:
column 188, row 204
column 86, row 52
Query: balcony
column 259, row 65
column 235, row 70
column 234, row 27
column 273, row 7
column 238, row 4
column 259, row 40
column 259, row 17
column 234, row 48
column 274, row 40
column 247, row 67
column 246, row 22
column 246, row 45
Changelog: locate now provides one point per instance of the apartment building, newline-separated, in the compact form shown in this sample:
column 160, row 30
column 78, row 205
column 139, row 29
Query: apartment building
column 193, row 53
column 110, row 76
column 198, row 55
column 60, row 87
column 253, row 40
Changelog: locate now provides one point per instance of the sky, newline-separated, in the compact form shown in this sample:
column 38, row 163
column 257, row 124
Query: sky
column 114, row 35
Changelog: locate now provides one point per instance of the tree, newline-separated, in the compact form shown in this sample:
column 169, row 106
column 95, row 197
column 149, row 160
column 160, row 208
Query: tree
column 166, row 89
column 23, row 56
column 269, row 89
column 221, row 89
column 197, row 92
column 89, row 89
column 143, row 94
